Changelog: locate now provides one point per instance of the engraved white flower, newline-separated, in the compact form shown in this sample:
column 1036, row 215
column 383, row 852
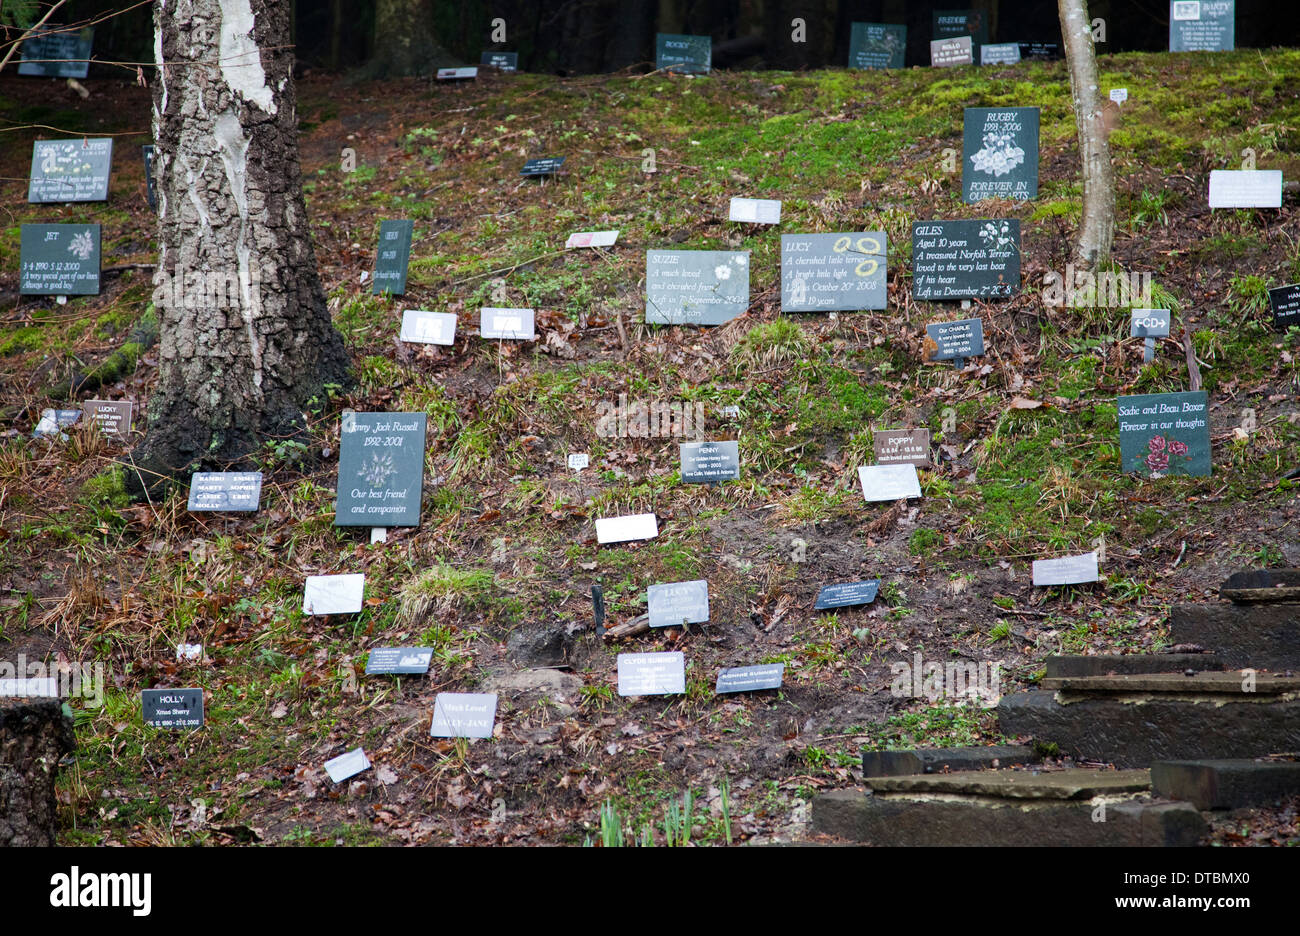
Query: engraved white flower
column 82, row 245
column 722, row 272
column 378, row 470
column 1000, row 154
column 740, row 260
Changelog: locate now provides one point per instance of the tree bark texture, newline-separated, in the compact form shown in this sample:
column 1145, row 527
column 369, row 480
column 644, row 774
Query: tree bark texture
column 34, row 736
column 1097, row 228
column 246, row 340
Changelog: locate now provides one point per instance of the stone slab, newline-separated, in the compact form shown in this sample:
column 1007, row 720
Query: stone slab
column 1226, row 784
column 942, row 760
column 1139, row 729
column 1122, row 664
column 899, row 820
column 1072, row 784
column 1226, row 682
column 1268, row 585
column 1263, row 636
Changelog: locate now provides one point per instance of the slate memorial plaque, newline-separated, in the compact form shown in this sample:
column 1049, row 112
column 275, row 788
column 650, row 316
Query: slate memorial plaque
column 57, row 54
column 1149, row 324
column 463, row 715
column 954, row 341
column 625, row 529
column 548, row 165
column 902, row 447
column 150, row 185
column 877, row 45
column 510, row 324
column 1246, row 188
column 1000, row 153
column 965, row 259
column 347, row 765
column 393, row 257
column 696, row 287
column 172, row 708
column 334, row 594
column 833, row 272
column 399, row 660
column 686, row 55
column 1039, row 51
column 225, row 490
column 889, row 482
column 591, row 239
column 458, row 74
column 1163, row 434
column 59, row 260
column 1202, row 25
column 1003, row 53
column 948, row 24
column 422, row 327
column 70, row 170
column 505, row 61
column 750, row 678
column 847, row 595
column 755, row 211
column 111, row 417
column 1285, row 302
column 710, row 462
column 381, row 469
column 643, row 674
column 675, row 603
column 1069, row 570
column 945, row 53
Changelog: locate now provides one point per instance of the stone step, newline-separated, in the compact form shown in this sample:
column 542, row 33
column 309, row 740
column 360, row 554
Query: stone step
column 1072, row 784
column 1139, row 728
column 1008, row 807
column 1120, row 664
column 1227, row 784
column 1265, row 636
column 1178, row 683
column 941, row 760
column 1270, row 585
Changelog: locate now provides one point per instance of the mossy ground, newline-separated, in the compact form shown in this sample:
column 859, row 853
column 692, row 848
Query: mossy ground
column 506, row 543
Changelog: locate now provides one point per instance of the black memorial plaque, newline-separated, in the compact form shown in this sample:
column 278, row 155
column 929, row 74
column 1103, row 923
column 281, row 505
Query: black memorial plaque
column 59, row 260
column 965, row 259
column 393, row 257
column 381, row 469
column 70, row 170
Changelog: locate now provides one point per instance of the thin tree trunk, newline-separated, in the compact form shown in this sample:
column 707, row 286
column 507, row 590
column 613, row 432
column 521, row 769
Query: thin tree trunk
column 1097, row 229
column 246, row 342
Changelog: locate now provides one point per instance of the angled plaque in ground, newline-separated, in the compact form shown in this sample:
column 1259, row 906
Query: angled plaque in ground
column 59, row 260
column 423, row 327
column 696, row 287
column 626, row 529
column 643, row 674
column 710, row 462
column 954, row 341
column 965, row 259
column 1005, row 53
column 545, row 166
column 1246, row 188
column 1000, row 153
column 225, row 490
column 399, row 660
column 889, row 482
column 902, row 447
column 393, row 257
column 1162, row 434
column 70, row 170
column 505, row 61
column 172, row 708
column 334, row 594
column 1285, row 303
column 676, row 603
column 463, row 715
column 750, row 678
column 1068, row 570
column 347, row 765
column 688, row 55
column 877, row 45
column 507, row 324
column 833, row 272
column 847, row 595
column 381, row 469
column 755, row 211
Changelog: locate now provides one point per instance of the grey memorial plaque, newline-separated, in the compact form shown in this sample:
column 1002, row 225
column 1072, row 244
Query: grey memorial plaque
column 1162, row 434
column 643, row 674
column 676, row 603
column 1202, row 25
column 70, row 170
column 225, row 490
column 954, row 341
column 902, row 447
column 833, row 272
column 59, row 260
column 750, row 678
column 463, row 715
column 57, row 54
column 399, row 660
column 688, row 55
column 877, row 45
column 1068, row 570
column 965, row 259
column 381, row 469
column 172, row 708
column 1000, row 153
column 847, row 595
column 696, row 287
column 393, row 257
column 710, row 462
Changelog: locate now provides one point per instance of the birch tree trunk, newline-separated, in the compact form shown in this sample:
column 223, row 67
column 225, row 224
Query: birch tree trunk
column 1097, row 228
column 245, row 338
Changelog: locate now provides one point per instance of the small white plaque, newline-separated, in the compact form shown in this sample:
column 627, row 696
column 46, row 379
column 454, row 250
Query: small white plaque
column 889, row 482
column 347, row 765
column 1119, row 95
column 1069, row 570
column 333, row 594
column 591, row 239
column 623, row 529
column 1246, row 188
column 756, row 210
column 579, row 460
column 428, row 327
column 512, row 324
